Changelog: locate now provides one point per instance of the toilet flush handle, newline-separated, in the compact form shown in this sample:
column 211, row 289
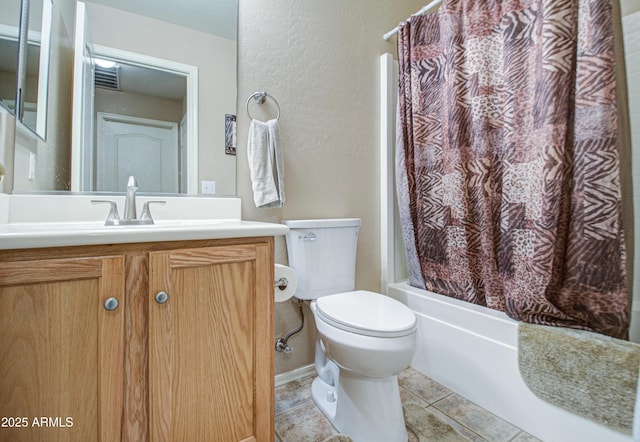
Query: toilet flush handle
column 308, row 237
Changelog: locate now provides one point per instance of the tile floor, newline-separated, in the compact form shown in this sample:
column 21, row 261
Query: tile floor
column 298, row 419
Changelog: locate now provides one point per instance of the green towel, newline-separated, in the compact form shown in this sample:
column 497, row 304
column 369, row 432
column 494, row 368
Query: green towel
column 589, row 374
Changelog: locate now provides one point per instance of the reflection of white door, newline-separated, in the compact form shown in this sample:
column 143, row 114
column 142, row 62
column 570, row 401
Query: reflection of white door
column 144, row 148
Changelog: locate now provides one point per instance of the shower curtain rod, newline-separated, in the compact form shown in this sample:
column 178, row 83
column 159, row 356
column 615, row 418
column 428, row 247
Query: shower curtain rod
column 422, row 11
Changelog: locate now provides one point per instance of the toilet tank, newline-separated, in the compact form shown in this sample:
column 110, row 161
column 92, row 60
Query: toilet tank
column 323, row 254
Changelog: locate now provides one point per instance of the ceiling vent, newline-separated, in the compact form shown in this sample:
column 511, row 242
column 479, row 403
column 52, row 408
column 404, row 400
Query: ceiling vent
column 108, row 78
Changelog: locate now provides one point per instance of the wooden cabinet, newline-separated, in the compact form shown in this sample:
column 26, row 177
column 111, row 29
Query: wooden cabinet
column 196, row 367
column 207, row 367
column 61, row 352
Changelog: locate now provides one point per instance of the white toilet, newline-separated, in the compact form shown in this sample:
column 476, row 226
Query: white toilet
column 364, row 339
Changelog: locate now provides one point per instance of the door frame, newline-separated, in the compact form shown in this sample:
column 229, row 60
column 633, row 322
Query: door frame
column 82, row 125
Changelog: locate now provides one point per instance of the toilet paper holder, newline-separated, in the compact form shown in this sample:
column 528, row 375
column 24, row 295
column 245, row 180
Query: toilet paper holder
column 281, row 283
column 285, row 283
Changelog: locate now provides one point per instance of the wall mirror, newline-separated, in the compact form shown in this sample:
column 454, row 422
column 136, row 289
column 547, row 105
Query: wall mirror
column 9, row 33
column 25, row 36
column 140, row 114
column 193, row 44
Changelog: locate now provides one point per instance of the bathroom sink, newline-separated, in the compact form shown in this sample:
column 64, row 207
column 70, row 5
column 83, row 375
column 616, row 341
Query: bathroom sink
column 70, row 221
column 98, row 226
column 31, row 235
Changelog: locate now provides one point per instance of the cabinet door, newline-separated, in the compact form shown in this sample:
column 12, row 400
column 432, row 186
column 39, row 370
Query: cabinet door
column 210, row 344
column 61, row 350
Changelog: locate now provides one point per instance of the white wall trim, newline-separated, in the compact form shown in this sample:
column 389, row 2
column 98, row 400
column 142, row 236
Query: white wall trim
column 387, row 255
column 294, row 375
column 80, row 156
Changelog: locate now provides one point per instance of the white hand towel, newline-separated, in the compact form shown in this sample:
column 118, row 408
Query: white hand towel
column 266, row 164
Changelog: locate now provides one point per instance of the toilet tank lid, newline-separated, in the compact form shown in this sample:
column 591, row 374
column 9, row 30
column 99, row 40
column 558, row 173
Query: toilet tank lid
column 321, row 223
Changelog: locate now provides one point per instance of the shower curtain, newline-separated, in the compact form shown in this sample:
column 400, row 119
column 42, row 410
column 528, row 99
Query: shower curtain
column 508, row 169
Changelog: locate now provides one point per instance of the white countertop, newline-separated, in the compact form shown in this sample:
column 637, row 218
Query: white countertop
column 32, row 235
column 30, row 221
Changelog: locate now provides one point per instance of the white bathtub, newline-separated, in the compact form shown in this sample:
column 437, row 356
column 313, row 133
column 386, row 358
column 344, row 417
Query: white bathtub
column 473, row 351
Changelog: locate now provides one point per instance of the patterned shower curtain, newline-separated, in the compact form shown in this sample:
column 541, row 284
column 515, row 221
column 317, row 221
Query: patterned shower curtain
column 508, row 168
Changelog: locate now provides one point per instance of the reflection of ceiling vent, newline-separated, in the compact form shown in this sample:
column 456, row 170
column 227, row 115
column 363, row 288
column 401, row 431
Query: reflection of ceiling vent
column 108, row 78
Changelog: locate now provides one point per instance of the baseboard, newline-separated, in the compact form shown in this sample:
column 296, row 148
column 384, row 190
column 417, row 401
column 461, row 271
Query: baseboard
column 294, row 375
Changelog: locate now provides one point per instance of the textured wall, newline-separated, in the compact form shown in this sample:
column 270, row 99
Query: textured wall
column 320, row 60
column 629, row 6
column 52, row 162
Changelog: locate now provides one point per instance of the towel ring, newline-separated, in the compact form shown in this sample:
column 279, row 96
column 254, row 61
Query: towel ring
column 260, row 97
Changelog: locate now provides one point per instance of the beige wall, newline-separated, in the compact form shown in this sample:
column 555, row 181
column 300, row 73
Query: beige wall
column 10, row 12
column 10, row 16
column 52, row 163
column 320, row 60
column 629, row 6
column 215, row 58
column 7, row 130
column 138, row 105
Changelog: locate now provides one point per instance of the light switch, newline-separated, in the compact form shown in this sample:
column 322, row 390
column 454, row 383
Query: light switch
column 208, row 187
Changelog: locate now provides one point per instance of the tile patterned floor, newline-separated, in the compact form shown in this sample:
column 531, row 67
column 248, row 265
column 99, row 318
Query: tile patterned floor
column 298, row 419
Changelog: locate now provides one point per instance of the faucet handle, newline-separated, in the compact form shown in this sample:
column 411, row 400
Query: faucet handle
column 132, row 182
column 146, row 212
column 112, row 217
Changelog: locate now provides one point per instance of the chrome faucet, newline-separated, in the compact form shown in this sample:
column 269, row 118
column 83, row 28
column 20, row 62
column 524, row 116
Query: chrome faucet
column 130, row 213
column 130, row 200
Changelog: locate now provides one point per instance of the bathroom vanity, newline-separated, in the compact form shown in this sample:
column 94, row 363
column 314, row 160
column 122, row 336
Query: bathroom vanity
column 137, row 341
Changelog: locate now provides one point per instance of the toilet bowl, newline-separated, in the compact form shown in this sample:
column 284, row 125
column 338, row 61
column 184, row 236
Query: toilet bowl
column 373, row 344
column 362, row 398
column 364, row 339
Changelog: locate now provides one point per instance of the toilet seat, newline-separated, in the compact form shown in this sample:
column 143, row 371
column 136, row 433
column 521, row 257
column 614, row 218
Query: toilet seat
column 366, row 313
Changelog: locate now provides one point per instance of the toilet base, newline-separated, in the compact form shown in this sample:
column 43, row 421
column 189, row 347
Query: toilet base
column 365, row 409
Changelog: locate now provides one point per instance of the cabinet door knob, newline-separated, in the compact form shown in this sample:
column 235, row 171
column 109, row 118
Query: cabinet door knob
column 111, row 304
column 162, row 297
